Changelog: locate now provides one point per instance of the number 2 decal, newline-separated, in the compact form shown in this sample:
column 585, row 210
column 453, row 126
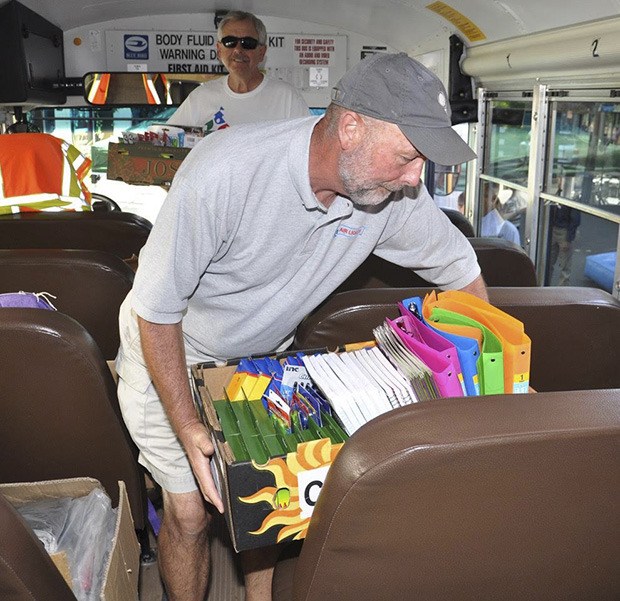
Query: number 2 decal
column 595, row 48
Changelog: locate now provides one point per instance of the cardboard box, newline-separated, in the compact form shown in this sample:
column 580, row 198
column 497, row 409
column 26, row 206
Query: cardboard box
column 144, row 163
column 123, row 564
column 264, row 504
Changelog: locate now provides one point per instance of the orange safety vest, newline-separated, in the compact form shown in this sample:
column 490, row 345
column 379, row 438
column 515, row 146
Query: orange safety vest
column 39, row 172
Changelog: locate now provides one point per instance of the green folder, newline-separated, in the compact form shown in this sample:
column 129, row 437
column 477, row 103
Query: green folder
column 249, row 431
column 288, row 441
column 490, row 364
column 266, row 428
column 227, row 418
column 238, row 448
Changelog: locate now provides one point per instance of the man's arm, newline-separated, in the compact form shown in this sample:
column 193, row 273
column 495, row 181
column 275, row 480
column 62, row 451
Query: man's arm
column 164, row 353
column 477, row 288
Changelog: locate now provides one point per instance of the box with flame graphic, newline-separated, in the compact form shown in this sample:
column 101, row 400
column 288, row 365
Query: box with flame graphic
column 264, row 504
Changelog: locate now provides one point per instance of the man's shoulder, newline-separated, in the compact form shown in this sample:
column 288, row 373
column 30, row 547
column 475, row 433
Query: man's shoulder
column 510, row 229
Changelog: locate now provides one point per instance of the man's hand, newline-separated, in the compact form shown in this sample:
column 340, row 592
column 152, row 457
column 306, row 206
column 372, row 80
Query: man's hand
column 164, row 354
column 199, row 448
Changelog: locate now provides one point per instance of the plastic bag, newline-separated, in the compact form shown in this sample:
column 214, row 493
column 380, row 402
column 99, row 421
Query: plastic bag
column 48, row 519
column 82, row 528
column 89, row 532
column 27, row 300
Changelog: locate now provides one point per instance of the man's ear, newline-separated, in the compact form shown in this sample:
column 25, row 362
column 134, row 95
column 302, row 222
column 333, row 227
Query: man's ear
column 351, row 129
column 218, row 47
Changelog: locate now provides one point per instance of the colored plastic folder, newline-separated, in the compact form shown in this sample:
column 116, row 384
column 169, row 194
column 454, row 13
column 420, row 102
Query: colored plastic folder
column 491, row 361
column 467, row 344
column 421, row 341
column 516, row 344
column 436, row 341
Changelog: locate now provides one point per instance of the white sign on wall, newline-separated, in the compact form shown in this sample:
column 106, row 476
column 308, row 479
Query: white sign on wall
column 313, row 63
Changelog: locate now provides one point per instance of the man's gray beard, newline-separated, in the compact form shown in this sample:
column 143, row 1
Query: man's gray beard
column 369, row 198
column 348, row 170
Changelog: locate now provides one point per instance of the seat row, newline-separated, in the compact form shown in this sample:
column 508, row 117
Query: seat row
column 441, row 483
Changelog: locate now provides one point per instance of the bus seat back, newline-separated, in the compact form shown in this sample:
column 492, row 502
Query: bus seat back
column 496, row 497
column 574, row 331
column 87, row 285
column 61, row 414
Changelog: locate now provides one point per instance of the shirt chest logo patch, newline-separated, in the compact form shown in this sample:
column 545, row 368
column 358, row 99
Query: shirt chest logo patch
column 216, row 122
column 350, row 231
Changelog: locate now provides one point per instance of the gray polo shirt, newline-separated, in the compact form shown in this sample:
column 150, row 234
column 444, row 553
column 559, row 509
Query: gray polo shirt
column 242, row 250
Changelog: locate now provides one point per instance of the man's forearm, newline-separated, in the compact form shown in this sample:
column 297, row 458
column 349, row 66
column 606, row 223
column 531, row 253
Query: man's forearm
column 477, row 288
column 164, row 353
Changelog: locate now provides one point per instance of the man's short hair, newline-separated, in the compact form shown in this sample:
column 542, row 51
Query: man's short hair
column 238, row 15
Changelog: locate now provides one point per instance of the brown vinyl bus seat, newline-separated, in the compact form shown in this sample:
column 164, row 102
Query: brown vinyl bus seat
column 89, row 285
column 507, row 497
column 460, row 221
column 574, row 331
column 503, row 263
column 60, row 413
column 116, row 232
column 26, row 571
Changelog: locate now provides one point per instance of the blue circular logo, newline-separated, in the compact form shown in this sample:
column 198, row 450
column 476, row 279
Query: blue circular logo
column 136, row 43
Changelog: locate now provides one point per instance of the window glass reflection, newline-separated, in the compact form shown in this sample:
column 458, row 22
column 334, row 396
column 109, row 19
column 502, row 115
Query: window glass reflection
column 90, row 129
column 509, row 140
column 581, row 249
column 585, row 159
column 502, row 213
column 450, row 180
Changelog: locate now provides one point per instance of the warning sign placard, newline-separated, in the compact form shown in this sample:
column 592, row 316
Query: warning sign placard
column 289, row 57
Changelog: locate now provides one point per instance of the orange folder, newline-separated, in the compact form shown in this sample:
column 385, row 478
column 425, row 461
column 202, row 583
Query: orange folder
column 515, row 342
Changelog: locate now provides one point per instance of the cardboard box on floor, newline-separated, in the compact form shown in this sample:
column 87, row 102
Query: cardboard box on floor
column 123, row 564
column 263, row 504
column 144, row 163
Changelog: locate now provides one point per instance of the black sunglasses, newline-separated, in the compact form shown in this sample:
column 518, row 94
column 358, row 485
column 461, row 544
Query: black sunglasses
column 247, row 43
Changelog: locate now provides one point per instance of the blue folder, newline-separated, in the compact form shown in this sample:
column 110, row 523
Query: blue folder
column 467, row 348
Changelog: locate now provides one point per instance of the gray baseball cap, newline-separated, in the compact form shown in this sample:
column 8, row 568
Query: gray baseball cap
column 400, row 90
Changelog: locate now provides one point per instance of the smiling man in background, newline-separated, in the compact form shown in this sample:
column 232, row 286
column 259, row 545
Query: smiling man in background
column 246, row 95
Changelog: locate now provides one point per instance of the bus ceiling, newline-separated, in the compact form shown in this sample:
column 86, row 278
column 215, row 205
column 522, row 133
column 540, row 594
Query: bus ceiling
column 402, row 25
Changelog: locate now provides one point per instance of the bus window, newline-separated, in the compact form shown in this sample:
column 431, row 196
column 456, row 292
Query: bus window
column 583, row 170
column 581, row 249
column 509, row 140
column 91, row 129
column 585, row 164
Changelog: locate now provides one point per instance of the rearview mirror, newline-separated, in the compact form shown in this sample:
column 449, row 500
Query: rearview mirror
column 126, row 89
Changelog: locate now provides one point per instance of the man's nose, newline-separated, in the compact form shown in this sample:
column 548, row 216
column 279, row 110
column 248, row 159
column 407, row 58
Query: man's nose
column 413, row 173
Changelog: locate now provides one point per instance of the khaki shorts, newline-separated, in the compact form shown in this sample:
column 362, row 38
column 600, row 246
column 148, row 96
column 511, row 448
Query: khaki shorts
column 161, row 452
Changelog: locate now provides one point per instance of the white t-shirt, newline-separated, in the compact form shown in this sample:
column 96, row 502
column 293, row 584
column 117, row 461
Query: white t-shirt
column 213, row 105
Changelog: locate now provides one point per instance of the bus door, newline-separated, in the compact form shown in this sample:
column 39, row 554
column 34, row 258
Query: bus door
column 552, row 158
